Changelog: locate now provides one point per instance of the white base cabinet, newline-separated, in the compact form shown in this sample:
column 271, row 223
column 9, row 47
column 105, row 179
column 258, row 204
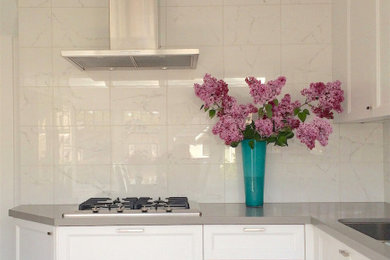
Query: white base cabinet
column 182, row 242
column 130, row 242
column 34, row 241
column 231, row 242
column 322, row 246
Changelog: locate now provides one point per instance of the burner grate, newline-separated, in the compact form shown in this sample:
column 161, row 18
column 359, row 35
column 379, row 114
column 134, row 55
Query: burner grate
column 134, row 203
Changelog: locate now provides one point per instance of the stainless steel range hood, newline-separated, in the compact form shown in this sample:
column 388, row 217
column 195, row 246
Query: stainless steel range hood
column 134, row 42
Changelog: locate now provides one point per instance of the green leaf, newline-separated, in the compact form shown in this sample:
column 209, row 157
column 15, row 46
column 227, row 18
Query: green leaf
column 261, row 113
column 257, row 137
column 206, row 109
column 251, row 144
column 212, row 113
column 234, row 144
column 282, row 140
column 249, row 132
column 201, row 107
column 296, row 111
column 306, row 112
column 268, row 109
column 271, row 139
column 290, row 135
column 302, row 116
column 276, row 102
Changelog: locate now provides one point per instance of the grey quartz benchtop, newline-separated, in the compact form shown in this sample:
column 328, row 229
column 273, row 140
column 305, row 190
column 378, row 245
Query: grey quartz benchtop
column 322, row 215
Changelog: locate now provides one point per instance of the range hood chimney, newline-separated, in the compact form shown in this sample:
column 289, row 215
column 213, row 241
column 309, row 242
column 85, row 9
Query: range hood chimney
column 134, row 42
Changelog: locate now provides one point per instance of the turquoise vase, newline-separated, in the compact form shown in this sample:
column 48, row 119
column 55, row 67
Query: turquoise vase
column 253, row 161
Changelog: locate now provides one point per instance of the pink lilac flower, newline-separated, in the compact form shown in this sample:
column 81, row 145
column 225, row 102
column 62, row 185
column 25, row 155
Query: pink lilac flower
column 229, row 129
column 249, row 108
column 324, row 128
column 212, row 91
column 264, row 127
column 231, row 107
column 314, row 91
column 329, row 96
column 232, row 120
column 278, row 122
column 307, row 133
column 293, row 122
column 318, row 129
column 263, row 93
column 285, row 107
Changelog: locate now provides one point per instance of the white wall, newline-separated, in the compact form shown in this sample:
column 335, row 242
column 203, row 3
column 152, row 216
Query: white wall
column 8, row 17
column 7, row 231
column 8, row 32
column 141, row 133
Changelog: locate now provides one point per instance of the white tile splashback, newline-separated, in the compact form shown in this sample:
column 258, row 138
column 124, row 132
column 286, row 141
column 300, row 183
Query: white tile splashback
column 80, row 27
column 35, row 27
column 297, row 30
column 195, row 26
column 134, row 133
column 258, row 24
column 34, row 3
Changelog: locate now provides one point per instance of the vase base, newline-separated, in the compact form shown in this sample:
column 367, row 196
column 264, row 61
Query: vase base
column 248, row 206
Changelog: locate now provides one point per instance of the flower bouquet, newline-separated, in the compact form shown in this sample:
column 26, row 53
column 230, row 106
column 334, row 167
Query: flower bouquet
column 268, row 120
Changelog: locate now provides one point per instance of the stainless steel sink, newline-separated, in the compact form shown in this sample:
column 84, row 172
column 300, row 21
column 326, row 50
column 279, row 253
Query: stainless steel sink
column 376, row 228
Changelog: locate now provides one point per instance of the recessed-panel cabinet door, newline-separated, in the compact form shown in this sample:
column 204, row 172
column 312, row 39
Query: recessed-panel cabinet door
column 236, row 242
column 329, row 248
column 130, row 242
column 383, row 88
column 354, row 56
column 34, row 241
column 361, row 57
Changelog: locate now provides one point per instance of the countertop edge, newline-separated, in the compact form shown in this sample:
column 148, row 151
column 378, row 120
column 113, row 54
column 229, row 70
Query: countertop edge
column 32, row 217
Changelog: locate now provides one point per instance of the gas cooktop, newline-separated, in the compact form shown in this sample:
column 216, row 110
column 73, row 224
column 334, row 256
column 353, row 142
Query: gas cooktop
column 135, row 206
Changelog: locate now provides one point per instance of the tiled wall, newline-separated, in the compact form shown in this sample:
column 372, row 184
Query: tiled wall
column 85, row 134
column 8, row 17
column 386, row 159
column 7, row 177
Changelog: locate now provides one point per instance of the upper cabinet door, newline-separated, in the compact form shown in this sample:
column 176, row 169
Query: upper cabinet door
column 383, row 89
column 361, row 57
column 354, row 56
column 363, row 65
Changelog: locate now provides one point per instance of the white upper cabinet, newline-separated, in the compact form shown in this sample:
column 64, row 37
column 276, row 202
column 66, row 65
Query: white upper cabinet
column 361, row 57
column 383, row 89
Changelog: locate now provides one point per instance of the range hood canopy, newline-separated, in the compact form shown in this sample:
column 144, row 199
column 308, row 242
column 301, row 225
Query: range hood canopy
column 134, row 42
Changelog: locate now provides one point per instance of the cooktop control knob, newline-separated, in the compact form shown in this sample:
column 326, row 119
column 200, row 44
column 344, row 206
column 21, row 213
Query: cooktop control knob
column 144, row 209
column 95, row 209
column 168, row 209
column 120, row 209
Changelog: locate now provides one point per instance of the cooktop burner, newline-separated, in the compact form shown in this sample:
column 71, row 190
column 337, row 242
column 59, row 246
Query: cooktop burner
column 135, row 206
column 135, row 203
